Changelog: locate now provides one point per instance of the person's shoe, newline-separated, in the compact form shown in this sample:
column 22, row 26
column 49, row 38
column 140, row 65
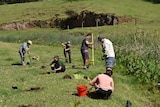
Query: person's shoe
column 88, row 66
column 85, row 68
column 23, row 63
column 66, row 61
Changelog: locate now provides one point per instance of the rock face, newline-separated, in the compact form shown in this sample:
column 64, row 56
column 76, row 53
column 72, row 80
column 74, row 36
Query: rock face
column 85, row 19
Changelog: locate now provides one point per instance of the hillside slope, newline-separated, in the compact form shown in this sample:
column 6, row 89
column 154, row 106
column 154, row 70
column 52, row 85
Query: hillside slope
column 56, row 91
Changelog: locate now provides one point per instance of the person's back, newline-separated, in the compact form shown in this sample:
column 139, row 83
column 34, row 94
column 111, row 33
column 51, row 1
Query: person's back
column 108, row 48
column 84, row 46
column 105, row 82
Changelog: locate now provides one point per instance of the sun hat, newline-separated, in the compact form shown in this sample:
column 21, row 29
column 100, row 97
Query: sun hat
column 100, row 37
column 29, row 42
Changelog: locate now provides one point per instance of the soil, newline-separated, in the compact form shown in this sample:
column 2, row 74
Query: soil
column 33, row 89
column 29, row 105
column 67, row 77
column 44, row 73
column 84, row 19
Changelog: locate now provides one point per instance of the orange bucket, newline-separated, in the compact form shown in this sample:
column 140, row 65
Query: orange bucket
column 82, row 90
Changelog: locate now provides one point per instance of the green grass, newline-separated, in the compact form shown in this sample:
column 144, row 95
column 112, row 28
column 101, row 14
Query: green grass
column 143, row 11
column 57, row 91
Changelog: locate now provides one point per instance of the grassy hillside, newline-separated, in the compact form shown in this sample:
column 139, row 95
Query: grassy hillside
column 57, row 91
column 142, row 38
column 143, row 11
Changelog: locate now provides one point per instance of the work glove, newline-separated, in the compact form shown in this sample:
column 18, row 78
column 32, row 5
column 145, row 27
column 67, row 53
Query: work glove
column 103, row 57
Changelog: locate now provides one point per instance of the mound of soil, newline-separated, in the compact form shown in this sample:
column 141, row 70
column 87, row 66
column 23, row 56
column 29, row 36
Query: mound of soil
column 33, row 89
column 84, row 19
column 67, row 76
column 29, row 105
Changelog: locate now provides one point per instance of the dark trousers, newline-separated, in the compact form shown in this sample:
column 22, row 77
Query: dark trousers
column 103, row 94
column 21, row 53
column 67, row 57
column 59, row 71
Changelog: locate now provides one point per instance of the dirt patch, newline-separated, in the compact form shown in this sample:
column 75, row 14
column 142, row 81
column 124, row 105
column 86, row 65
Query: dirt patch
column 29, row 105
column 67, row 76
column 44, row 73
column 84, row 19
column 43, row 67
column 33, row 89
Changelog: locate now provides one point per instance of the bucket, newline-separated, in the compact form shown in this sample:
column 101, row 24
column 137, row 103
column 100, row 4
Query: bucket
column 82, row 90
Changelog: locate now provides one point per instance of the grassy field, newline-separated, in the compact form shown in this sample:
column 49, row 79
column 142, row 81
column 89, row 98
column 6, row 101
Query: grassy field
column 142, row 38
column 57, row 91
column 143, row 11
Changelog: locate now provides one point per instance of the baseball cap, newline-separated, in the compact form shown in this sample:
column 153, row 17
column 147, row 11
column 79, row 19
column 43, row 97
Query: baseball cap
column 100, row 37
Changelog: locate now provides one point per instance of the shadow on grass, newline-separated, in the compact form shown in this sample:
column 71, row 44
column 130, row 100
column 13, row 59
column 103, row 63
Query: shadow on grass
column 89, row 94
column 93, row 95
column 17, row 64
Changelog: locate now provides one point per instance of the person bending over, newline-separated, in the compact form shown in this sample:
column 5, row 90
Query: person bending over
column 108, row 52
column 67, row 50
column 104, row 84
column 23, row 50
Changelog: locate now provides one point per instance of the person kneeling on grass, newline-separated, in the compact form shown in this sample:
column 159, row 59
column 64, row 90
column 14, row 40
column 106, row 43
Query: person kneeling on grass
column 57, row 65
column 103, row 84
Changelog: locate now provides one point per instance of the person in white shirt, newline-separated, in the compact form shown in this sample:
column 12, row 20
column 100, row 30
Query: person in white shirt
column 108, row 52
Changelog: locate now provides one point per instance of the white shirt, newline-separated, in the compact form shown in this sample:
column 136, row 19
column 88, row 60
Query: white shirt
column 108, row 48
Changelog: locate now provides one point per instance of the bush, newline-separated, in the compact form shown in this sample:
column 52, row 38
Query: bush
column 145, row 68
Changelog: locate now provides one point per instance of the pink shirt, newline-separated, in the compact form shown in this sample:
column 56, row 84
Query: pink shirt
column 103, row 81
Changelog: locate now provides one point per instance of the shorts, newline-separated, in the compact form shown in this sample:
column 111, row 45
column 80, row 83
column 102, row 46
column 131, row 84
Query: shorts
column 85, row 54
column 110, row 61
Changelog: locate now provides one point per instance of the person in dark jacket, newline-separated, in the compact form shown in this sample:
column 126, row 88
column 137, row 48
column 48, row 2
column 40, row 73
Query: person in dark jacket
column 67, row 51
column 57, row 65
column 24, row 49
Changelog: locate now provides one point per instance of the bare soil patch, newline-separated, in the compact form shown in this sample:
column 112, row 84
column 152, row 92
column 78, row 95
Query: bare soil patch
column 84, row 19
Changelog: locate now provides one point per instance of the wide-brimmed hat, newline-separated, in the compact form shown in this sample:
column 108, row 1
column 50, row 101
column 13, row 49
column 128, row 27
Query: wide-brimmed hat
column 29, row 42
column 100, row 37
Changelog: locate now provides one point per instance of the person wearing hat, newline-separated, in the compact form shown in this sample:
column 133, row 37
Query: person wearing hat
column 104, row 84
column 57, row 65
column 84, row 50
column 24, row 49
column 67, row 50
column 108, row 51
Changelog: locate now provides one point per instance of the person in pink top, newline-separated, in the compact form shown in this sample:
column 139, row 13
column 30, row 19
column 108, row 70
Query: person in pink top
column 103, row 84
